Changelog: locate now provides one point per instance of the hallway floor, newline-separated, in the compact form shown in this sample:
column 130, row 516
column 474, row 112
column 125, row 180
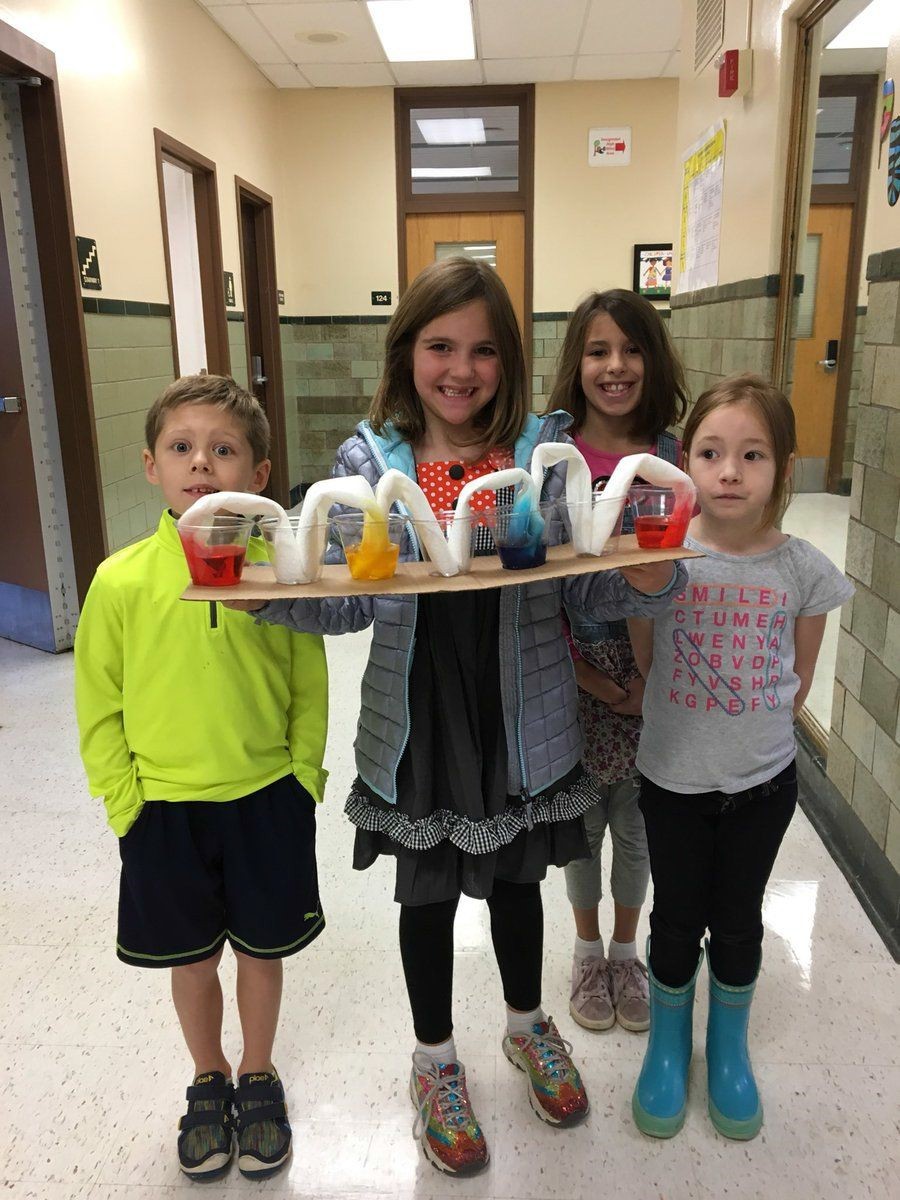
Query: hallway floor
column 94, row 1071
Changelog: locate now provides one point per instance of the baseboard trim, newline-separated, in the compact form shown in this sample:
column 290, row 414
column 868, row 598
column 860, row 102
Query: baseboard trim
column 860, row 860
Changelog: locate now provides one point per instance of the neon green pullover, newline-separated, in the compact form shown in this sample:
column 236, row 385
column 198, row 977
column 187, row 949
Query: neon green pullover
column 185, row 700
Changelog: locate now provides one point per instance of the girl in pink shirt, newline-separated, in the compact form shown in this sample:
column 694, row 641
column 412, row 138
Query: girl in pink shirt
column 623, row 383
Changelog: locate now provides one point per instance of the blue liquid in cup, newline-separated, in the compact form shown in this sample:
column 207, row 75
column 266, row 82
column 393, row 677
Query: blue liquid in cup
column 519, row 558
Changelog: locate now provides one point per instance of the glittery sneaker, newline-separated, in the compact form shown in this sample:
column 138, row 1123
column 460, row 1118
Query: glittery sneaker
column 205, row 1142
column 445, row 1124
column 630, row 993
column 263, row 1132
column 591, row 1004
column 555, row 1089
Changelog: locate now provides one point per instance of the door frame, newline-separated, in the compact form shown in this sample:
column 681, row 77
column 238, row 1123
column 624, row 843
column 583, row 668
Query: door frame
column 521, row 200
column 209, row 242
column 51, row 203
column 267, row 287
column 855, row 193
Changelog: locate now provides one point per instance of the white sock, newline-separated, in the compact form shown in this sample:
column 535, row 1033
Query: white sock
column 519, row 1022
column 443, row 1052
column 584, row 949
column 620, row 950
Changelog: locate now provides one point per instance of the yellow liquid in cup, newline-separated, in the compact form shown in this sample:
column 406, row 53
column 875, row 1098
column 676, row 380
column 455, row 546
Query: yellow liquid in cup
column 376, row 556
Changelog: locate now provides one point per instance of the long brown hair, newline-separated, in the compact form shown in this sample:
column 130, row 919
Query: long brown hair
column 775, row 412
column 441, row 288
column 663, row 395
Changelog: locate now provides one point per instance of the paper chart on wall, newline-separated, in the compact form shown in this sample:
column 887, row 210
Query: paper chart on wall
column 703, row 170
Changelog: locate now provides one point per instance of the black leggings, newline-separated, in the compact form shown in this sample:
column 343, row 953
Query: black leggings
column 426, row 947
column 711, row 856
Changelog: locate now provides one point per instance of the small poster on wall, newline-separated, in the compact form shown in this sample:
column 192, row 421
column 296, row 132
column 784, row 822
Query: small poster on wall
column 653, row 270
column 609, row 146
column 703, row 169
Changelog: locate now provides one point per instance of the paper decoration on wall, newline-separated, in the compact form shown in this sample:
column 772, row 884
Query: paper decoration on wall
column 887, row 113
column 893, row 171
column 703, row 170
column 609, row 146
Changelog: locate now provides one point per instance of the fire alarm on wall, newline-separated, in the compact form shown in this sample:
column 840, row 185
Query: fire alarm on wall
column 734, row 73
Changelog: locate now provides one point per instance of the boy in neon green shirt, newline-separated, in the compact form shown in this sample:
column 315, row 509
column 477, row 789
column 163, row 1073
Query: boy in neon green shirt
column 205, row 735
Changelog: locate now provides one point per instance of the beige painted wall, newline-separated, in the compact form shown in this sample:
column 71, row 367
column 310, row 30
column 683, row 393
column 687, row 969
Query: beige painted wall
column 588, row 219
column 338, row 215
column 126, row 66
column 756, row 132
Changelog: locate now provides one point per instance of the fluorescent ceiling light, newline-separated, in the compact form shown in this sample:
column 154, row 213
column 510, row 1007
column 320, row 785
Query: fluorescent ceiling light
column 424, row 30
column 449, row 131
column 450, row 172
column 867, row 31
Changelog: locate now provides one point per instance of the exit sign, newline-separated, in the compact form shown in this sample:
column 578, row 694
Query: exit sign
column 381, row 297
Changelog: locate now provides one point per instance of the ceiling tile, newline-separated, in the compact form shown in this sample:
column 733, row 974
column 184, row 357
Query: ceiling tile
column 437, row 74
column 631, row 26
column 620, row 66
column 348, row 74
column 218, row 3
column 284, row 75
column 242, row 27
column 521, row 28
column 528, row 70
column 358, row 42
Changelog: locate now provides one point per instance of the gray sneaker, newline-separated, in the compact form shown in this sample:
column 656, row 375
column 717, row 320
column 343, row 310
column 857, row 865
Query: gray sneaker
column 591, row 1003
column 630, row 993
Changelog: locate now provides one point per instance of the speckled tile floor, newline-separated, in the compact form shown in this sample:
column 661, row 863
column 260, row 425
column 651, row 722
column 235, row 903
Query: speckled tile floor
column 93, row 1071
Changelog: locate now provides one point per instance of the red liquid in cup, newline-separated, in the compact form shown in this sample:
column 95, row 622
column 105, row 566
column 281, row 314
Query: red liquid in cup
column 661, row 533
column 214, row 566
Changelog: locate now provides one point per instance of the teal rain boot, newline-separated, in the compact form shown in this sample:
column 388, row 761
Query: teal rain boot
column 734, row 1105
column 660, row 1095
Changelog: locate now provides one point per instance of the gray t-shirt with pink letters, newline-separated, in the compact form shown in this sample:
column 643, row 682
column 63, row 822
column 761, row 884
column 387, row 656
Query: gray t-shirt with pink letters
column 719, row 698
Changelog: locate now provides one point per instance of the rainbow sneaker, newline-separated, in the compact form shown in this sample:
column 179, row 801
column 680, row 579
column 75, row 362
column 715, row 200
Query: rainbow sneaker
column 445, row 1124
column 555, row 1089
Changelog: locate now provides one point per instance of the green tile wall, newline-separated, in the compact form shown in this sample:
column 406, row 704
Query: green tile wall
column 237, row 348
column 330, row 374
column 130, row 362
column 864, row 744
column 723, row 338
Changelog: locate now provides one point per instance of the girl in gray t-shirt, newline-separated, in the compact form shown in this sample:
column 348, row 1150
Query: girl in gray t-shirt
column 727, row 666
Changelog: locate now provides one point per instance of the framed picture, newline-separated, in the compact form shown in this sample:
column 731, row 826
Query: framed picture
column 653, row 270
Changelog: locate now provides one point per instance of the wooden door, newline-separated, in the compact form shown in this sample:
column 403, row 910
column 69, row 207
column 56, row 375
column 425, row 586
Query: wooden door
column 814, row 387
column 23, row 562
column 425, row 231
column 264, row 370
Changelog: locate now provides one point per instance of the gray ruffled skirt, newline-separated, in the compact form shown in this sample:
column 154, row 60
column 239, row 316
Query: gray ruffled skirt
column 454, row 828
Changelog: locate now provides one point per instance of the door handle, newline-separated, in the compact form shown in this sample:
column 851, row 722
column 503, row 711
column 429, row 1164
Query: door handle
column 830, row 361
column 257, row 377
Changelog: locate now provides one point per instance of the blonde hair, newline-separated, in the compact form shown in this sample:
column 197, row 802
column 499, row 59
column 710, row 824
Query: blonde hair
column 775, row 412
column 222, row 392
column 441, row 288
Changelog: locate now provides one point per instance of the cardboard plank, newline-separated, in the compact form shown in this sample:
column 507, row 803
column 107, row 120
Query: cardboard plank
column 258, row 582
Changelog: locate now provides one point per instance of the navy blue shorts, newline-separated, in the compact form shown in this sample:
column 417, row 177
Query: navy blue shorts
column 198, row 873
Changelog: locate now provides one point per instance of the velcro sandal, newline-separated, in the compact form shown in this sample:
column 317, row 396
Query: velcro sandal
column 205, row 1141
column 263, row 1132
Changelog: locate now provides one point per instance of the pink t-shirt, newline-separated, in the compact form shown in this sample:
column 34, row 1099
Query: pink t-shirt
column 602, row 464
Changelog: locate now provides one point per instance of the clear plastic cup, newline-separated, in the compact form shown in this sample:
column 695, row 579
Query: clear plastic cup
column 615, row 506
column 215, row 549
column 283, row 549
column 480, row 540
column 371, row 546
column 660, row 522
column 521, row 537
